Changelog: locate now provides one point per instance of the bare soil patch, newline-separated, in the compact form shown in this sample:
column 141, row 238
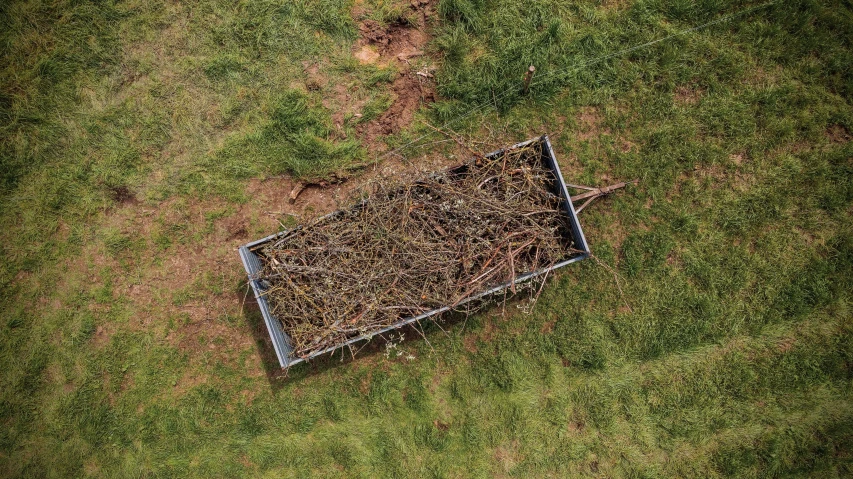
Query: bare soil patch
column 410, row 91
column 626, row 146
column 367, row 55
column 838, row 134
column 688, row 95
column 401, row 40
column 236, row 228
column 123, row 196
column 397, row 45
column 315, row 80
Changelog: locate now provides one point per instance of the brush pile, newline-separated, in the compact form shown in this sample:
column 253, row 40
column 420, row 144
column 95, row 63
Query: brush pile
column 412, row 247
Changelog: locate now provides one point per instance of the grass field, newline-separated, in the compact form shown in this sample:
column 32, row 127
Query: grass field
column 142, row 141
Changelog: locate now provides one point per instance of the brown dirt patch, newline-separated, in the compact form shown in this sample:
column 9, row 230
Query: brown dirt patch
column 737, row 158
column 410, row 92
column 489, row 329
column 397, row 45
column 235, row 227
column 374, row 33
column 103, row 333
column 314, row 79
column 626, row 145
column 341, row 101
column 508, row 455
column 764, row 78
column 470, row 343
column 548, row 326
column 367, row 55
column 271, row 197
column 717, row 176
column 248, row 396
column 838, row 134
column 688, row 95
column 271, row 200
column 206, row 269
column 593, row 467
column 400, row 40
column 576, row 426
column 123, row 196
column 671, row 259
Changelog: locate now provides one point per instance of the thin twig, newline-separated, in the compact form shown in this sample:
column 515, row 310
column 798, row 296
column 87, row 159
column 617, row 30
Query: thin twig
column 430, row 242
column 615, row 279
column 243, row 303
column 456, row 139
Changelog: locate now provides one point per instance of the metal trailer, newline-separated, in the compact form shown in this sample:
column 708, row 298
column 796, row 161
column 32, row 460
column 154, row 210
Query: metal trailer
column 281, row 341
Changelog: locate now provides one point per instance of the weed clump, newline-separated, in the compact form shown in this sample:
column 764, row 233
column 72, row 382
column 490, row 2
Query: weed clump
column 414, row 246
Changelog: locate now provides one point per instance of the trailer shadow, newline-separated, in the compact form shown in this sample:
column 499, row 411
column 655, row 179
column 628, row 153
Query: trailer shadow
column 427, row 331
column 279, row 377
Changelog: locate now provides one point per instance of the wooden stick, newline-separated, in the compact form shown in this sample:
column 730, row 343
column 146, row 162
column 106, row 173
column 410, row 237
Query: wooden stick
column 527, row 77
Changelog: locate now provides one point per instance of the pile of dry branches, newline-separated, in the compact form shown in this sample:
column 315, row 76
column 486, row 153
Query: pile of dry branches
column 412, row 247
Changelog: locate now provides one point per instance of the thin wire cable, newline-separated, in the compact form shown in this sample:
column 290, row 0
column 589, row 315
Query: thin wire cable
column 653, row 42
column 578, row 67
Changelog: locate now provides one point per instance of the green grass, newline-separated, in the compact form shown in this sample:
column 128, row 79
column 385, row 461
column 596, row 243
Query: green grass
column 725, row 349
